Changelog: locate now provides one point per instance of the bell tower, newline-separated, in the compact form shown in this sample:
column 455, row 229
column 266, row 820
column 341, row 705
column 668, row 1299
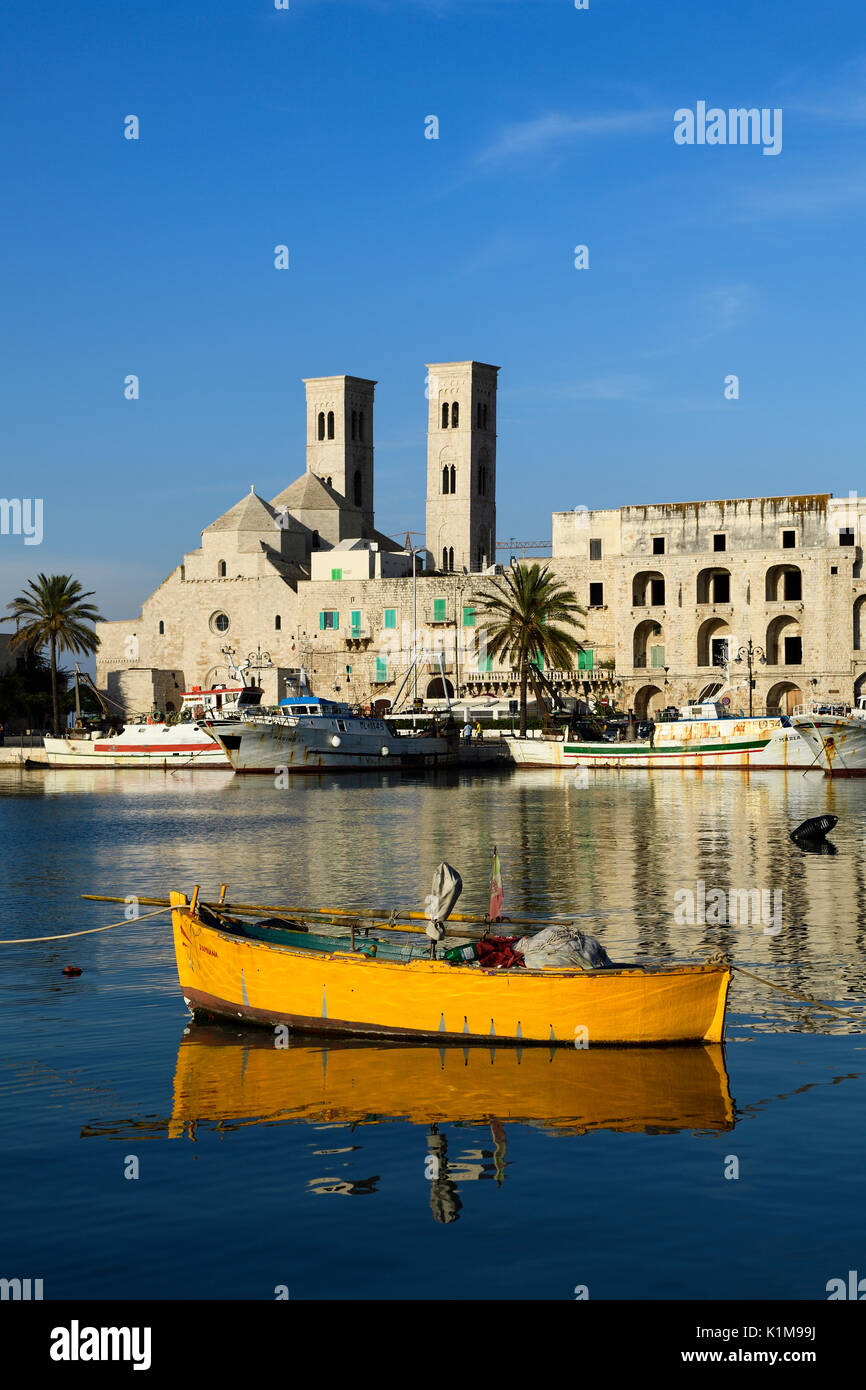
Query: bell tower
column 461, row 465
column 340, row 436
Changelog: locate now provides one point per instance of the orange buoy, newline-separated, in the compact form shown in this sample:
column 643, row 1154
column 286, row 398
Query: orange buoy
column 71, row 970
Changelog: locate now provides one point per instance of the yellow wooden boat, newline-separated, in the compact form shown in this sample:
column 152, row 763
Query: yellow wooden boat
column 224, row 972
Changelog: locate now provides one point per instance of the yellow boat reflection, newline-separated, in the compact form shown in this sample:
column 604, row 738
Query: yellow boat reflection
column 227, row 1080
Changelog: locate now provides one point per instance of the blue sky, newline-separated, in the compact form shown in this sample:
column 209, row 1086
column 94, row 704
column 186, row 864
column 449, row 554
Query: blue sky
column 306, row 127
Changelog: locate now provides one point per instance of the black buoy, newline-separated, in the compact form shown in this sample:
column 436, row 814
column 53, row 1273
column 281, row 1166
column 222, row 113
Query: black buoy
column 814, row 830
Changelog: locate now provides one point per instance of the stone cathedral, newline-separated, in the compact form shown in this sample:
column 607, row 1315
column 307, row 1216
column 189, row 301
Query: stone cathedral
column 306, row 574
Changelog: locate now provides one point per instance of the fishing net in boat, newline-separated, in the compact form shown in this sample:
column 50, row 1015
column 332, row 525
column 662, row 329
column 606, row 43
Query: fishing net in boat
column 562, row 946
column 447, row 887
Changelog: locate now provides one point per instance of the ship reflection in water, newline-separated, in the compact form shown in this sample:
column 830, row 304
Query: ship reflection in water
column 227, row 1081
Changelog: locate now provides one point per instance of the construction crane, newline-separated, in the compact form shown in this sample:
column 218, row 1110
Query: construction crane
column 523, row 546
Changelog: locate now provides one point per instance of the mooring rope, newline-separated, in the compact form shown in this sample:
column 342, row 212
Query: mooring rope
column 89, row 931
column 804, row 998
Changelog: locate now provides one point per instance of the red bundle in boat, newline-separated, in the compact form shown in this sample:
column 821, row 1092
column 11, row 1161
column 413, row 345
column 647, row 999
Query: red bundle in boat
column 498, row 953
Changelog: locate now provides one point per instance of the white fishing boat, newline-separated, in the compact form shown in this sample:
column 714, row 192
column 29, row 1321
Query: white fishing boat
column 151, row 742
column 308, row 734
column 703, row 736
column 836, row 736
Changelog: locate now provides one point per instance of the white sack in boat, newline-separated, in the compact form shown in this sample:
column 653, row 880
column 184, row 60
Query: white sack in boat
column 562, row 946
column 447, row 887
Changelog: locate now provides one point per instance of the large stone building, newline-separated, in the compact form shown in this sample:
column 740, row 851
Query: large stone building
column 307, row 577
column 674, row 592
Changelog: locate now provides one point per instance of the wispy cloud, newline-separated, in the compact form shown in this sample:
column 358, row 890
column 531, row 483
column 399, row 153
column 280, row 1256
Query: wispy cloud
column 553, row 132
column 815, row 195
column 724, row 307
column 840, row 98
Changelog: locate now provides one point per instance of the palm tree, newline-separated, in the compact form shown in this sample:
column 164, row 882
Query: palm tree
column 52, row 612
column 524, row 607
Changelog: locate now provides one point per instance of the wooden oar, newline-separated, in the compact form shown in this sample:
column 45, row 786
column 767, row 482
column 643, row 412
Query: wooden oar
column 339, row 914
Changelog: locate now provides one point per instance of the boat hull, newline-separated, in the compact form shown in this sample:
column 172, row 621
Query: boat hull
column 837, row 742
column 267, row 747
column 747, row 745
column 348, row 993
column 153, row 746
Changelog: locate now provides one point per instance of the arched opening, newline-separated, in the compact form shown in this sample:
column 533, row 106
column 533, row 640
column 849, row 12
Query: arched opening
column 784, row 584
column 361, row 426
column 330, row 424
column 445, row 481
column 715, row 641
column 453, row 479
column 439, row 688
column 648, row 590
column 314, row 543
column 445, row 557
column 482, row 480
column 782, row 698
column 445, row 416
column 455, row 415
column 859, row 627
column 648, row 644
column 358, row 488
column 161, row 628
column 354, row 424
column 321, row 425
column 278, row 622
column 859, row 688
column 451, row 557
column 714, row 586
column 648, row 701
column 221, row 569
column 784, row 645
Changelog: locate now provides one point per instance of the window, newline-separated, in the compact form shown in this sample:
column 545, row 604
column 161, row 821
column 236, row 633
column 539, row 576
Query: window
column 446, row 481
column 595, row 550
column 219, row 622
column 657, row 592
column 221, row 569
column 354, row 424
column 314, row 541
column 720, row 542
column 455, row 415
column 658, row 545
column 356, row 620
column 328, row 619
column 321, row 427
column 381, row 669
column 468, row 615
column 451, row 558
column 161, row 628
column 721, row 588
column 793, row 651
column 596, row 595
column 359, row 489
column 445, row 416
column 846, row 535
column 585, row 659
column 439, row 610
column 278, row 622
column 792, row 584
column 390, row 617
column 336, row 574
column 834, row 569
column 361, row 426
column 789, row 540
column 482, row 480
column 485, row 663
column 453, row 480
column 657, row 656
column 330, row 424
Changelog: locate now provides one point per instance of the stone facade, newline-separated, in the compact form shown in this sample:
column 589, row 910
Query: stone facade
column 674, row 591
column 461, row 465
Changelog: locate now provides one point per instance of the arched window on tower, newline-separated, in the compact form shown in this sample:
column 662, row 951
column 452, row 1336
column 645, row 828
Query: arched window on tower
column 161, row 628
column 444, row 557
column 321, row 429
column 221, row 569
column 278, row 622
column 361, row 425
column 359, row 489
column 354, row 424
column 455, row 415
column 330, row 424
column 482, row 480
column 451, row 557
column 445, row 416
column 445, row 480
column 453, row 478
column 314, row 543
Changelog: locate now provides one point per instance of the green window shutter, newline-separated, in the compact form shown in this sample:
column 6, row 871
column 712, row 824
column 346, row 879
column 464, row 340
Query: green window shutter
column 439, row 610
column 321, row 622
column 356, row 620
column 585, row 660
column 468, row 616
column 485, row 663
column 539, row 660
column 390, row 617
column 657, row 656
column 381, row 668
column 336, row 574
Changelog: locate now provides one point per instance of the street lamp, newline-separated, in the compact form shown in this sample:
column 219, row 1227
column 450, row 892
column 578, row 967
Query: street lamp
column 750, row 654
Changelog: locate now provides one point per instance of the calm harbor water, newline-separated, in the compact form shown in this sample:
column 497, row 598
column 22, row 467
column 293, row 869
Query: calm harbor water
column 311, row 1168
